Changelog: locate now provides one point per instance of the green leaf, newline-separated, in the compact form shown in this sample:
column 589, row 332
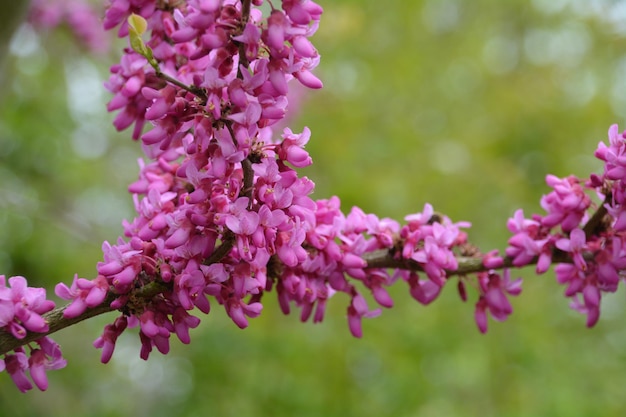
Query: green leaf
column 137, row 44
column 137, row 24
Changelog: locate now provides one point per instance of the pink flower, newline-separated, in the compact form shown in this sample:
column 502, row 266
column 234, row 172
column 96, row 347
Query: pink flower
column 183, row 321
column 17, row 365
column 613, row 155
column 189, row 287
column 292, row 150
column 46, row 358
column 250, row 38
column 356, row 311
column 83, row 293
column 424, row 291
column 107, row 340
column 21, row 307
column 7, row 307
column 576, row 244
column 238, row 311
column 492, row 260
column 566, row 205
column 528, row 242
column 494, row 289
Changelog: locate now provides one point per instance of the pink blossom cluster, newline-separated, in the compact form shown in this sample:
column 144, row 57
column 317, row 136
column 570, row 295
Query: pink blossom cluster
column 223, row 216
column 592, row 246
column 334, row 246
column 80, row 16
column 21, row 309
column 219, row 179
column 435, row 242
column 494, row 289
column 222, row 213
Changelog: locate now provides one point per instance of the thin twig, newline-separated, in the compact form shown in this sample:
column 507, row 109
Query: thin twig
column 596, row 222
column 56, row 322
column 195, row 90
column 245, row 16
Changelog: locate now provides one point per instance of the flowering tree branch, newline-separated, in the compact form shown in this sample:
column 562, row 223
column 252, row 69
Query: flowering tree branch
column 223, row 215
column 377, row 259
column 56, row 322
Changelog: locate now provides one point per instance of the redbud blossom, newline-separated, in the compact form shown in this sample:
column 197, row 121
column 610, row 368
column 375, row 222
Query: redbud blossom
column 222, row 215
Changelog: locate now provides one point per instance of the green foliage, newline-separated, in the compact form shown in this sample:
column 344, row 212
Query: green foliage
column 137, row 26
column 464, row 105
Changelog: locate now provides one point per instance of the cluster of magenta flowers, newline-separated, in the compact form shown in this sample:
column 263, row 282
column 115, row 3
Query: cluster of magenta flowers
column 78, row 15
column 584, row 238
column 21, row 310
column 223, row 217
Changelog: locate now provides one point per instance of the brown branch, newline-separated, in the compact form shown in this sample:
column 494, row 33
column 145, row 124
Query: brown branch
column 227, row 244
column 248, row 178
column 245, row 16
column 466, row 264
column 193, row 89
column 597, row 222
column 56, row 322
column 245, row 11
column 385, row 259
column 377, row 259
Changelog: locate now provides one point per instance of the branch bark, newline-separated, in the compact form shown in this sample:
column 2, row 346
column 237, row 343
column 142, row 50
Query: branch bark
column 56, row 322
column 375, row 259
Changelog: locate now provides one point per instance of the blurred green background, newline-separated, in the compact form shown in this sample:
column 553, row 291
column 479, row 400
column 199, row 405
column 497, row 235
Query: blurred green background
column 467, row 105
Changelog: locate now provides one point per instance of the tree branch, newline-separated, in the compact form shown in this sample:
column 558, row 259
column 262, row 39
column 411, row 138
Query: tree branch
column 56, row 322
column 245, row 16
column 597, row 222
column 193, row 89
column 376, row 259
column 466, row 264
